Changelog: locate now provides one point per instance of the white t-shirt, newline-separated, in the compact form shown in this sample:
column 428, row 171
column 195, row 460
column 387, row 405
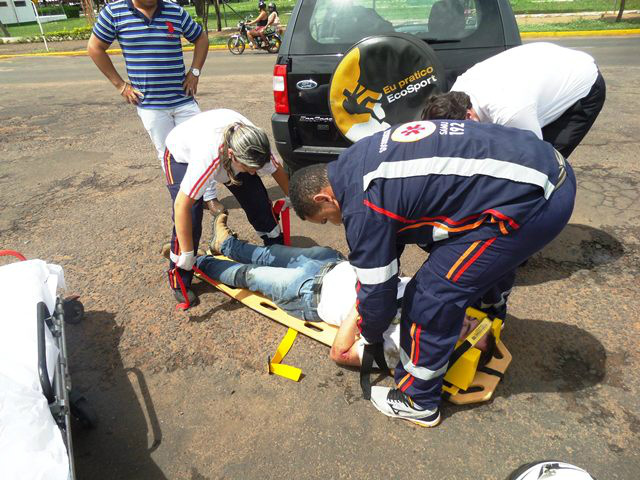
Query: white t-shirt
column 197, row 142
column 528, row 86
column 337, row 297
column 274, row 20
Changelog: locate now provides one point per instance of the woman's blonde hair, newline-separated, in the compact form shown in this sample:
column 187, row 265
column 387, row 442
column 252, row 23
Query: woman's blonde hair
column 250, row 147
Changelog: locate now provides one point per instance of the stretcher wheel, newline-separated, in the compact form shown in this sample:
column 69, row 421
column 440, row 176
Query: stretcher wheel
column 83, row 411
column 73, row 311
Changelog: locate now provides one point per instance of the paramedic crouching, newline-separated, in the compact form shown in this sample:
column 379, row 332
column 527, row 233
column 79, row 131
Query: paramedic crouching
column 216, row 146
column 555, row 92
column 482, row 197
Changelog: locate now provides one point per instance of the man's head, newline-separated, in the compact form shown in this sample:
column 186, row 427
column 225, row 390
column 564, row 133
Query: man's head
column 449, row 106
column 312, row 196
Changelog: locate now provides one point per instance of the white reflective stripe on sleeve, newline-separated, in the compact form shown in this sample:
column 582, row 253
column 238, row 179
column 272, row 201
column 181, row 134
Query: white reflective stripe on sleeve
column 373, row 276
column 272, row 234
column 439, row 234
column 465, row 167
column 423, row 373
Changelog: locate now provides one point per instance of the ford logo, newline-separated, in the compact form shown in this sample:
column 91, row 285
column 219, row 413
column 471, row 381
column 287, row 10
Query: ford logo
column 306, row 84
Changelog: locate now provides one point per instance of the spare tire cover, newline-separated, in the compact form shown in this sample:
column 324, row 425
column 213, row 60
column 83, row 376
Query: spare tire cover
column 382, row 81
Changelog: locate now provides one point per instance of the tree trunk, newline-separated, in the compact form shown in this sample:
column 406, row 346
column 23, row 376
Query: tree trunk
column 3, row 29
column 199, row 4
column 619, row 17
column 216, row 5
column 205, row 18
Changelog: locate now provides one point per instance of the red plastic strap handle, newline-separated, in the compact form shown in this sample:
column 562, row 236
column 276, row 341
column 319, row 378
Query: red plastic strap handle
column 278, row 210
column 12, row 253
column 186, row 304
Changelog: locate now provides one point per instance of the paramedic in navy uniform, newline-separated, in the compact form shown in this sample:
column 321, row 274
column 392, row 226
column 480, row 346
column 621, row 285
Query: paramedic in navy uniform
column 148, row 32
column 483, row 198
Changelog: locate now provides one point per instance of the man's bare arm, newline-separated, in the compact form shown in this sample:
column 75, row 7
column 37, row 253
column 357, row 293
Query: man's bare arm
column 344, row 350
column 199, row 56
column 97, row 50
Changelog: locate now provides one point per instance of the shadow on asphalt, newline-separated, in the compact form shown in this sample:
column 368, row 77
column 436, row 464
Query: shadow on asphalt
column 128, row 427
column 548, row 357
column 578, row 247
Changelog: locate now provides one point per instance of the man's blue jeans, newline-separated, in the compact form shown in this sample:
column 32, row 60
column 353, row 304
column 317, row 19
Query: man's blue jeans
column 284, row 274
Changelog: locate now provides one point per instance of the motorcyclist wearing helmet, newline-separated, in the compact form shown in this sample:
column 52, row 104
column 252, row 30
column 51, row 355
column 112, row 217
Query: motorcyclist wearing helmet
column 260, row 22
column 273, row 24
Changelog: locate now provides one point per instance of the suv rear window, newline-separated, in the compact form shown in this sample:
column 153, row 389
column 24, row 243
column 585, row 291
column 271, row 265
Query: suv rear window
column 332, row 26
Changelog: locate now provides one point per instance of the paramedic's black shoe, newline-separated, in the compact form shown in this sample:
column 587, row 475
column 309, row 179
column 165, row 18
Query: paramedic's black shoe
column 220, row 232
column 393, row 403
column 193, row 299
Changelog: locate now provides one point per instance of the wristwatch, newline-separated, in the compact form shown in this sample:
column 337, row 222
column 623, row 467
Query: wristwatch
column 195, row 71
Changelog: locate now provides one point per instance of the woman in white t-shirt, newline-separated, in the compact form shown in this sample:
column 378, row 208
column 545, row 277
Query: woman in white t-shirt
column 273, row 22
column 216, row 146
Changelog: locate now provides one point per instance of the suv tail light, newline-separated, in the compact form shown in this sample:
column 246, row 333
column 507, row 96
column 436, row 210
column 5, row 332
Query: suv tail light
column 280, row 94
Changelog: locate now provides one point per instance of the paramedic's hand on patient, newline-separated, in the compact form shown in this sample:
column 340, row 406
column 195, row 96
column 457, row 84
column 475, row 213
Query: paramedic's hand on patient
column 186, row 260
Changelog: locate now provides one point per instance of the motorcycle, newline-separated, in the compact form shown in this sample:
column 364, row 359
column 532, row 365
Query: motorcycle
column 238, row 41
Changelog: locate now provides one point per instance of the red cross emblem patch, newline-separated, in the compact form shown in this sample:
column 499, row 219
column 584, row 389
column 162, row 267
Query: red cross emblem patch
column 414, row 131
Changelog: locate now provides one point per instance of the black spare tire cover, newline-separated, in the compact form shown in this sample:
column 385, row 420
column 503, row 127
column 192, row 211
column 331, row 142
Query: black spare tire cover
column 382, row 81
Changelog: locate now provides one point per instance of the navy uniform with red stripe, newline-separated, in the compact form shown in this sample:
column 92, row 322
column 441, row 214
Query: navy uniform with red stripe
column 481, row 198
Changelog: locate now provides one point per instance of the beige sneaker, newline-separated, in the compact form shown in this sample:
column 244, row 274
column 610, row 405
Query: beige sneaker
column 220, row 232
column 165, row 251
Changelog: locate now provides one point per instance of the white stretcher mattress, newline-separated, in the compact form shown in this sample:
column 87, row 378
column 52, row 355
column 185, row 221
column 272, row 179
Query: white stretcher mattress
column 31, row 444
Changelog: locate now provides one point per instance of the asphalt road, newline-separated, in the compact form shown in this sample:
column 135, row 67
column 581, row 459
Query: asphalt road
column 186, row 395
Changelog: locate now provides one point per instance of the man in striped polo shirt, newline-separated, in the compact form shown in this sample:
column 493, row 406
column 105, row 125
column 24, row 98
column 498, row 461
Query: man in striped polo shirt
column 483, row 198
column 149, row 32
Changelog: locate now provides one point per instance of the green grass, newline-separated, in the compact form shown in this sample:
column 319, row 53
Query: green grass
column 248, row 8
column 533, row 6
column 581, row 25
column 244, row 9
column 32, row 29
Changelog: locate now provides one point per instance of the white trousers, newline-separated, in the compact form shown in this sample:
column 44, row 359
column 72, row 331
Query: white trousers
column 159, row 122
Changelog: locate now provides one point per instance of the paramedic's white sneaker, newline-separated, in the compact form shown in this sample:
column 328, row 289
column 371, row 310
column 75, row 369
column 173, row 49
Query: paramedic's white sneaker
column 393, row 403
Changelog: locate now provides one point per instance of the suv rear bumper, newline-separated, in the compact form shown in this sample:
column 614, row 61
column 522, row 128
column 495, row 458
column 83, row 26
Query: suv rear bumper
column 296, row 156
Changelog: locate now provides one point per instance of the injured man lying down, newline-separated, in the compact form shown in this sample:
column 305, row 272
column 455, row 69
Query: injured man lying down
column 312, row 284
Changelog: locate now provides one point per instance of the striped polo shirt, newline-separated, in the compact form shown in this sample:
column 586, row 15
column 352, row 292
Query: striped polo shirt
column 151, row 48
